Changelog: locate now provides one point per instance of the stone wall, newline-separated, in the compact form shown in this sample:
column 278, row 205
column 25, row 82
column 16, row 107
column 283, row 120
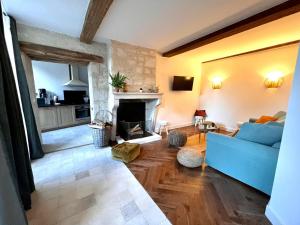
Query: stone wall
column 97, row 73
column 98, row 90
column 137, row 63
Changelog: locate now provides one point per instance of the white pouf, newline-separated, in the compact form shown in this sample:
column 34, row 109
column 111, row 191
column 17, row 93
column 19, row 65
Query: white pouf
column 189, row 157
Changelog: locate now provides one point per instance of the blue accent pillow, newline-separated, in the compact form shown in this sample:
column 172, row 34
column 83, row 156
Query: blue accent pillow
column 277, row 144
column 260, row 133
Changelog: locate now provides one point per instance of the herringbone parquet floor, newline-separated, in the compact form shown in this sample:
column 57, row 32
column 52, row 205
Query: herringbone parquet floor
column 192, row 197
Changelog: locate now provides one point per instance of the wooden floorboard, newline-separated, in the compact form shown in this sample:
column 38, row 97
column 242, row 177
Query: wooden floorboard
column 193, row 197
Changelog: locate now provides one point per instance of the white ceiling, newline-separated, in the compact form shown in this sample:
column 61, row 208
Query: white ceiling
column 157, row 24
column 62, row 16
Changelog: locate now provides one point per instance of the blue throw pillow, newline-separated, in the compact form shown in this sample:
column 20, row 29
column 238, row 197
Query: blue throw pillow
column 260, row 133
column 277, row 144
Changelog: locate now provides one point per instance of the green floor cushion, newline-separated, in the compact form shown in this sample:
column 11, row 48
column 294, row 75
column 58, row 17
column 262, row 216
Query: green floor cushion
column 126, row 151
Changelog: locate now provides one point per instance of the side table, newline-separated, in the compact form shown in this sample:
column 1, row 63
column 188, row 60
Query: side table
column 206, row 127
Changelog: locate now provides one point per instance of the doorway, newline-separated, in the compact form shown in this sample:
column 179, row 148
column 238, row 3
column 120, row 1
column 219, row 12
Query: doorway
column 63, row 106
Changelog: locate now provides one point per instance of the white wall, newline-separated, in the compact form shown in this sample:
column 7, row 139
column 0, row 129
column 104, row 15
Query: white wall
column 53, row 76
column 243, row 94
column 178, row 107
column 283, row 208
column 58, row 40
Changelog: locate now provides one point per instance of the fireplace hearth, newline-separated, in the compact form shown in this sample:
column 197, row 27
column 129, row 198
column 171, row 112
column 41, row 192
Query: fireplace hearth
column 132, row 130
column 131, row 119
column 134, row 117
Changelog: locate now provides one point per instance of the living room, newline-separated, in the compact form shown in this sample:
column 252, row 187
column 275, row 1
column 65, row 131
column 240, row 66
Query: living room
column 242, row 60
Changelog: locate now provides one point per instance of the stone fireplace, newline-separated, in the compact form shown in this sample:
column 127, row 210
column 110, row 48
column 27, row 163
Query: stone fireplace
column 134, row 116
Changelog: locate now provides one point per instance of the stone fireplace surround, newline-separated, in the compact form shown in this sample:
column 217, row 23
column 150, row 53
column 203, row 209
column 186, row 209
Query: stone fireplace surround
column 152, row 100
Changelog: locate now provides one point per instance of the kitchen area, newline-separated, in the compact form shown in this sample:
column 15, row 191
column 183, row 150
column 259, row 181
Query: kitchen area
column 63, row 104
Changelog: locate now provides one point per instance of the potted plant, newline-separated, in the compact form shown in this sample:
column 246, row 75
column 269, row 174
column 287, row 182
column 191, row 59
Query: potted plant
column 118, row 81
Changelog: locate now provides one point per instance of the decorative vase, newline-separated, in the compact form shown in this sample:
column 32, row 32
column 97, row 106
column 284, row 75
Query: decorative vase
column 125, row 87
column 117, row 89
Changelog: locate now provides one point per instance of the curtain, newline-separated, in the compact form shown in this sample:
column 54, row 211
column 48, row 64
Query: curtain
column 11, row 211
column 12, row 129
column 34, row 142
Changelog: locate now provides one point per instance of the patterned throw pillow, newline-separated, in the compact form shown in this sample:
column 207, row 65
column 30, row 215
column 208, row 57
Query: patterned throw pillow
column 265, row 119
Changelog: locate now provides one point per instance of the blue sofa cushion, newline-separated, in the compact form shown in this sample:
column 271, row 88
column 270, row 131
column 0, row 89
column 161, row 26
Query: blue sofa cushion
column 272, row 123
column 277, row 144
column 260, row 133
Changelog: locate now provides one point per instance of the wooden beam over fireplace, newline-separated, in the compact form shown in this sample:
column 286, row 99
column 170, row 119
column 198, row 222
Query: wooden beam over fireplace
column 93, row 18
column 285, row 9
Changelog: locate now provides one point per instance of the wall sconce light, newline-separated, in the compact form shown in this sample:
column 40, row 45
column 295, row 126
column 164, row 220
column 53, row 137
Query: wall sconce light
column 216, row 83
column 274, row 79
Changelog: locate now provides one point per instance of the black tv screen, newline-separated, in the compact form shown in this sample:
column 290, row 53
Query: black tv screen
column 181, row 83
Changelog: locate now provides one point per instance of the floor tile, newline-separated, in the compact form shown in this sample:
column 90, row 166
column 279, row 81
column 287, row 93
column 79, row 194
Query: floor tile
column 85, row 186
column 130, row 210
column 137, row 220
column 66, row 138
column 82, row 175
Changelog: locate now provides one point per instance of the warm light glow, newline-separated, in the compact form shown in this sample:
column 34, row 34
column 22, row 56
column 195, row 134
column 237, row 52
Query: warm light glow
column 188, row 78
column 216, row 83
column 274, row 79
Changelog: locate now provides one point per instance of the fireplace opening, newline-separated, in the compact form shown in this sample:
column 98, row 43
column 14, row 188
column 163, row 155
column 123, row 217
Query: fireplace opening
column 131, row 120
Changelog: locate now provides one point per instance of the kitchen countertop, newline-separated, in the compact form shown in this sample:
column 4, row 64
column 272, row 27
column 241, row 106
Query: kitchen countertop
column 48, row 105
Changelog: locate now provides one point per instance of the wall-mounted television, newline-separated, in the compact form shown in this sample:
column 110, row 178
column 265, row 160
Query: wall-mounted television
column 182, row 83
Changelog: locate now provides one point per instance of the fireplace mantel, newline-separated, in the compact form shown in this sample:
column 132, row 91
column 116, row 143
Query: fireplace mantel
column 153, row 101
column 137, row 95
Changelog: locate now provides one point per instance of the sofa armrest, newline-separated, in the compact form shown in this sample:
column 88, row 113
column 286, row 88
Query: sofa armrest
column 249, row 162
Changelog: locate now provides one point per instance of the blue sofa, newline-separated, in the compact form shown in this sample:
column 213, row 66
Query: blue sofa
column 249, row 162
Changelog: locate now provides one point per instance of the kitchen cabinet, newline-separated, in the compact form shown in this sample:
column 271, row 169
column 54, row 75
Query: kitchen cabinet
column 48, row 118
column 55, row 117
column 66, row 115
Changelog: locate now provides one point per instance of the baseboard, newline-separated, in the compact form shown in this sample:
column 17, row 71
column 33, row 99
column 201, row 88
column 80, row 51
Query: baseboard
column 272, row 216
column 187, row 124
column 175, row 126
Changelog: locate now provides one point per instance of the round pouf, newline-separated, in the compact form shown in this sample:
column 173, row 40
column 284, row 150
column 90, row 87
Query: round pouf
column 190, row 158
column 177, row 138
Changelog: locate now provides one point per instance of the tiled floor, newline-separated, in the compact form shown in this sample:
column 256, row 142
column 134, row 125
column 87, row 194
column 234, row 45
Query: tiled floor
column 66, row 138
column 85, row 186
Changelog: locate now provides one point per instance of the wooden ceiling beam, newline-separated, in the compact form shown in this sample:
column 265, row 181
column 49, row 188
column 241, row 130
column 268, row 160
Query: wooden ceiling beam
column 285, row 9
column 58, row 55
column 93, row 18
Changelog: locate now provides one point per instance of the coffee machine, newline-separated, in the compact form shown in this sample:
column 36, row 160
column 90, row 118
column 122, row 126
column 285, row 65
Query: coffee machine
column 42, row 93
column 42, row 99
